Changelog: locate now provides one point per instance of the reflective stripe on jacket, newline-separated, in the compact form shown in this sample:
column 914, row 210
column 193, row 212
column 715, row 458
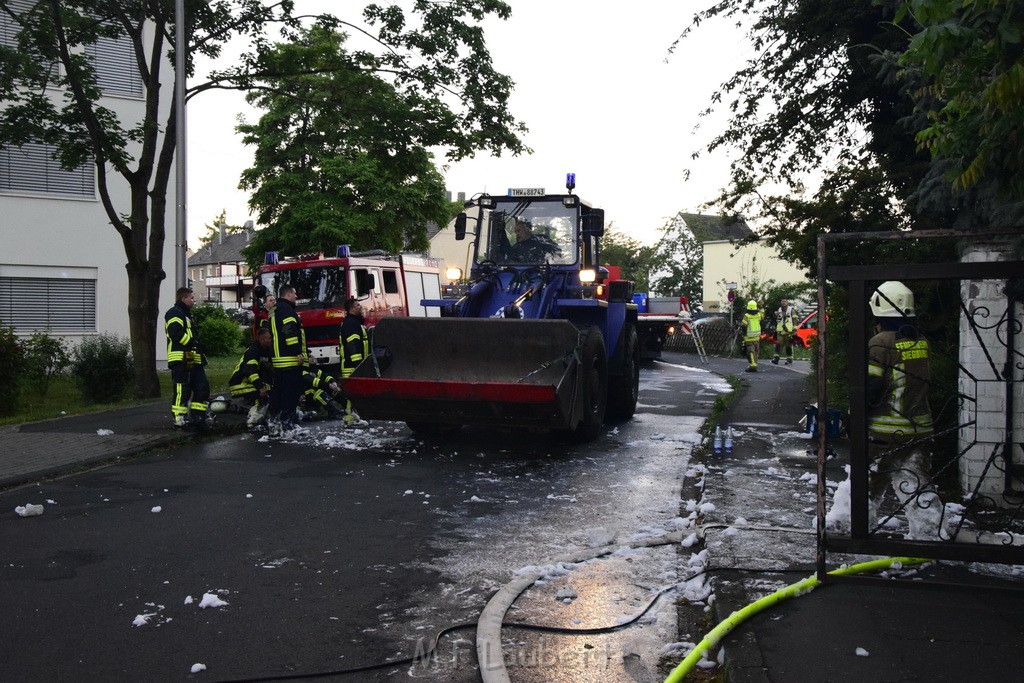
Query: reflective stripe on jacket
column 902, row 365
column 786, row 321
column 752, row 326
column 178, row 328
column 289, row 337
column 247, row 376
column 354, row 344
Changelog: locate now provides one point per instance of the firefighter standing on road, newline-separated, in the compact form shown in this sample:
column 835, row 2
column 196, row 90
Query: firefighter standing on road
column 751, row 325
column 785, row 326
column 288, row 358
column 355, row 346
column 899, row 416
column 190, row 389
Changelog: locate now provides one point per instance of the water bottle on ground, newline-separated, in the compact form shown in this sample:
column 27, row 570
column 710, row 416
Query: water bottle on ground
column 717, row 443
column 728, row 440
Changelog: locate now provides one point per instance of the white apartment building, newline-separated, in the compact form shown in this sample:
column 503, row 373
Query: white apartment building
column 62, row 270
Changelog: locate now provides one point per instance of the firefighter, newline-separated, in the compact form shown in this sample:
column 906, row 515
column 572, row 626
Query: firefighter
column 320, row 392
column 751, row 325
column 269, row 304
column 785, row 325
column 251, row 378
column 355, row 346
column 190, row 389
column 287, row 358
column 899, row 416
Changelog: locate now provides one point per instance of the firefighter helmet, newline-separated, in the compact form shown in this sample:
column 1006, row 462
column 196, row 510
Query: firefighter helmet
column 892, row 299
column 751, row 305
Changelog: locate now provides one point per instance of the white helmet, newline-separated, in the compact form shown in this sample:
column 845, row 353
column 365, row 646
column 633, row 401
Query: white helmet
column 892, row 299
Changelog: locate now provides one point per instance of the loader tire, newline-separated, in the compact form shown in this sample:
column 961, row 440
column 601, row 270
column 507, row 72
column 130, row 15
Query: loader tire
column 624, row 389
column 593, row 392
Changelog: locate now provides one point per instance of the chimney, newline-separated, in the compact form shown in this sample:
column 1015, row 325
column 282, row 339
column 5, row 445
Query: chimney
column 221, row 239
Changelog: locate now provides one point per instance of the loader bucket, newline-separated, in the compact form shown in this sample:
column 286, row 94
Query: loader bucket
column 454, row 371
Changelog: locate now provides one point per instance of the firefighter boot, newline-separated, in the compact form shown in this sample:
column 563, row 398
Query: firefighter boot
column 775, row 360
column 255, row 416
column 180, row 421
column 334, row 411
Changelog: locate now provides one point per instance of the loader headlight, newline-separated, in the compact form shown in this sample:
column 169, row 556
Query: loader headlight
column 588, row 276
column 453, row 274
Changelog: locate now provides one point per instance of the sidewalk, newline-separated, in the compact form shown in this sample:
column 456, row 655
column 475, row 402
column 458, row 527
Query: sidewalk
column 942, row 623
column 52, row 447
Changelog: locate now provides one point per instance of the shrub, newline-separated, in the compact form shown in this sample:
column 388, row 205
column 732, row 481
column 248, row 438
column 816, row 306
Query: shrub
column 12, row 355
column 45, row 356
column 220, row 336
column 103, row 368
column 203, row 312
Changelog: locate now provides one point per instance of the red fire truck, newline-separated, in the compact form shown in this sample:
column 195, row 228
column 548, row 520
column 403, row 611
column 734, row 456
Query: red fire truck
column 386, row 284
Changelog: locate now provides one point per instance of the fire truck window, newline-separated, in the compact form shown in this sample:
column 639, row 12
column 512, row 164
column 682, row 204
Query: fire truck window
column 390, row 282
column 365, row 282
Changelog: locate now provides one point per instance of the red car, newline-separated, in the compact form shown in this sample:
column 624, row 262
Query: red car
column 805, row 332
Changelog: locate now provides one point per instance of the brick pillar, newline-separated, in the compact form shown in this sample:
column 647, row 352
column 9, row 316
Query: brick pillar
column 986, row 302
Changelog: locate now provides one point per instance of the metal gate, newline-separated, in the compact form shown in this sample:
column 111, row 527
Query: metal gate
column 978, row 442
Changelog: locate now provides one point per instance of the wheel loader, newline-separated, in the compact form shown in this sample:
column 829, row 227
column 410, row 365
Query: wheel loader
column 535, row 335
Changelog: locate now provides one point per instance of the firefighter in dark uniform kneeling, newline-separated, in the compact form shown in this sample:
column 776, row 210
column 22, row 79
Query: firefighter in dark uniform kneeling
column 190, row 390
column 251, row 378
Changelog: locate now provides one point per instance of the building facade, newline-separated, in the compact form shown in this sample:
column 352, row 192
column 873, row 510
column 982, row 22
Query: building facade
column 62, row 270
column 218, row 273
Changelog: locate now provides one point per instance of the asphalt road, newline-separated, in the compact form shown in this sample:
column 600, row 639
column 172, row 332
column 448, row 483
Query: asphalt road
column 350, row 548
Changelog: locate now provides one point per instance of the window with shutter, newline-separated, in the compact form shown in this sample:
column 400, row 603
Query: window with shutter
column 116, row 70
column 32, row 168
column 30, row 304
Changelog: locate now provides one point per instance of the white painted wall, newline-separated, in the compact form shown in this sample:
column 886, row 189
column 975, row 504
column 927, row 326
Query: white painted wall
column 48, row 236
column 743, row 264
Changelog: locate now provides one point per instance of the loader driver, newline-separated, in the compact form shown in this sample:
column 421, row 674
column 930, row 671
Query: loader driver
column 529, row 248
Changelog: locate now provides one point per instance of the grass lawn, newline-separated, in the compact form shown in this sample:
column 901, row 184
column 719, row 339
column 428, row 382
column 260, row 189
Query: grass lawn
column 63, row 396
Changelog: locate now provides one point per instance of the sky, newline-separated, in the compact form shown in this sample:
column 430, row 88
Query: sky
column 597, row 88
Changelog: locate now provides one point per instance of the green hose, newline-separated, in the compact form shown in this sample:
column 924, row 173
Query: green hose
column 795, row 590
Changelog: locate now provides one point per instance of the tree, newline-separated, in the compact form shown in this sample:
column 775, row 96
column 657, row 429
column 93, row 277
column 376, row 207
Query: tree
column 213, row 228
column 435, row 50
column 678, row 262
column 632, row 257
column 341, row 155
column 970, row 55
column 823, row 103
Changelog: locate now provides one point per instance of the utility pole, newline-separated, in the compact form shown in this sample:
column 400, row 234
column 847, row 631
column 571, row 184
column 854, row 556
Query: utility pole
column 180, row 176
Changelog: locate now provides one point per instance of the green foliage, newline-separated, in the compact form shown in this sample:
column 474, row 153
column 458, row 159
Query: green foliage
column 619, row 249
column 221, row 336
column 967, row 63
column 205, row 311
column 840, row 121
column 49, row 90
column 678, row 263
column 12, row 355
column 355, row 145
column 213, row 228
column 45, row 357
column 103, row 368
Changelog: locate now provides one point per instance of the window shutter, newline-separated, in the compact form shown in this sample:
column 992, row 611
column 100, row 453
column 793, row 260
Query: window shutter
column 48, row 304
column 116, row 70
column 32, row 168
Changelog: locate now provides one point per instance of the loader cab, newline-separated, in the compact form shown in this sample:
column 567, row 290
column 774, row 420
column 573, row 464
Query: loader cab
column 528, row 230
